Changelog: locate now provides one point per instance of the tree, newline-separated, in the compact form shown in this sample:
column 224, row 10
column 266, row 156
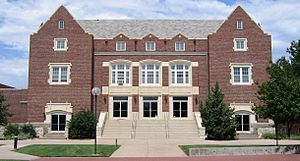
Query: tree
column 217, row 118
column 280, row 96
column 82, row 125
column 3, row 110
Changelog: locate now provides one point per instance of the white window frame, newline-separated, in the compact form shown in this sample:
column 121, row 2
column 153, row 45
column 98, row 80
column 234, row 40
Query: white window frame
column 114, row 74
column 59, row 65
column 61, row 24
column 154, row 70
column 118, row 45
column 149, row 49
column 240, row 66
column 56, row 43
column 184, row 70
column 180, row 109
column 236, row 40
column 177, row 46
column 239, row 25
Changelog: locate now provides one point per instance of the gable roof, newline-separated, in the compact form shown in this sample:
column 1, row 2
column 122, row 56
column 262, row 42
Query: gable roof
column 137, row 29
column 5, row 86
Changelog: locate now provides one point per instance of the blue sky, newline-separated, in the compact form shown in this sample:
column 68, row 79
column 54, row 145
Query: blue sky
column 20, row 18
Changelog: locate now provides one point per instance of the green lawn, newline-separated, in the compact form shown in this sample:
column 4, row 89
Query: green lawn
column 64, row 150
column 185, row 148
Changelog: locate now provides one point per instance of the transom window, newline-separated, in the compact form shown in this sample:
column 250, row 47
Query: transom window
column 150, row 46
column 120, row 107
column 120, row 74
column 239, row 24
column 180, row 73
column 61, row 24
column 59, row 74
column 241, row 74
column 180, row 107
column 240, row 44
column 120, row 46
column 150, row 74
column 179, row 46
column 60, row 44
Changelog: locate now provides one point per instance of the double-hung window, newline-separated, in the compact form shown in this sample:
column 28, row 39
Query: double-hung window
column 179, row 46
column 61, row 24
column 180, row 73
column 60, row 44
column 150, row 46
column 239, row 24
column 120, row 74
column 240, row 44
column 59, row 74
column 120, row 46
column 241, row 75
column 150, row 74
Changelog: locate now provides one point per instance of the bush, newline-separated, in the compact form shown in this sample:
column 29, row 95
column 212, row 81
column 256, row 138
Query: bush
column 23, row 132
column 28, row 129
column 82, row 125
column 11, row 130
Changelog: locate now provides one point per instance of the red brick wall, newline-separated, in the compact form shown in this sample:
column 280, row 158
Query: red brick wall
column 165, row 103
column 17, row 101
column 221, row 54
column 79, row 54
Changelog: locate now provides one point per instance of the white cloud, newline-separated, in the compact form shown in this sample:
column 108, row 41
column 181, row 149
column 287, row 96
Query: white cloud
column 14, row 72
column 18, row 19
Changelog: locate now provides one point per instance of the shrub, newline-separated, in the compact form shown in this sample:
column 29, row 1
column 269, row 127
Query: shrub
column 28, row 129
column 82, row 125
column 11, row 130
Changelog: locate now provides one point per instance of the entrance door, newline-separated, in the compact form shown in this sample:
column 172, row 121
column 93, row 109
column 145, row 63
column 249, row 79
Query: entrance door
column 150, row 107
column 180, row 107
column 120, row 108
column 243, row 122
column 58, row 122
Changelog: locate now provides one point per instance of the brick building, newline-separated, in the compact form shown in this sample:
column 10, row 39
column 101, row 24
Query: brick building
column 153, row 74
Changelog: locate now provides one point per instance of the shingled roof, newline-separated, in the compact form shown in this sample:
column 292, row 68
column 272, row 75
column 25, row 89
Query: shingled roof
column 163, row 29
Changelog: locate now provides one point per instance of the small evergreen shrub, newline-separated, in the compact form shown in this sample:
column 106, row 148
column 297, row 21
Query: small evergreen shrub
column 28, row 129
column 11, row 130
column 82, row 125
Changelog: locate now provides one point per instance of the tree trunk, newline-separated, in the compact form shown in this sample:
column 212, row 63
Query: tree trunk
column 289, row 129
column 276, row 132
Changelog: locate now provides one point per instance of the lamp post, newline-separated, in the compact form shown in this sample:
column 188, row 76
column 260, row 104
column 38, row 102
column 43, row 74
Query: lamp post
column 96, row 91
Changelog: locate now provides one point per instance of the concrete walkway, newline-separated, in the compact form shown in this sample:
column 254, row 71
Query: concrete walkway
column 133, row 147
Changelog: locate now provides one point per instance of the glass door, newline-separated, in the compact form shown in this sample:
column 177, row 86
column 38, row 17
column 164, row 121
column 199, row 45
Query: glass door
column 150, row 107
column 243, row 122
column 120, row 107
column 180, row 107
column 58, row 122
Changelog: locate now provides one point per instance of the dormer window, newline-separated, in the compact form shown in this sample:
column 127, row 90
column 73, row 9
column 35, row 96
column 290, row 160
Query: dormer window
column 61, row 24
column 239, row 24
column 120, row 46
column 179, row 46
column 150, row 46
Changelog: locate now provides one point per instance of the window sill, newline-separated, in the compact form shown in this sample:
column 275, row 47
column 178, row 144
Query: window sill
column 58, row 83
column 60, row 49
column 241, row 84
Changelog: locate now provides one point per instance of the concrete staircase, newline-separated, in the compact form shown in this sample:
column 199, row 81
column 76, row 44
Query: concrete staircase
column 60, row 136
column 150, row 129
column 180, row 129
column 247, row 136
column 117, row 129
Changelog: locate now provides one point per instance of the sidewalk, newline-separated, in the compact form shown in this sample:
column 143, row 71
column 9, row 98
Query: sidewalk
column 133, row 147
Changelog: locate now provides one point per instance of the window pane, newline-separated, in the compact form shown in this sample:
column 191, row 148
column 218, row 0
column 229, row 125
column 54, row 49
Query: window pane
column 127, row 77
column 186, row 77
column 245, row 74
column 236, row 74
column 173, row 77
column 64, row 74
column 116, row 107
column 150, row 77
column 143, row 77
column 157, row 77
column 179, row 77
column 239, row 120
column 113, row 79
column 180, row 98
column 55, row 74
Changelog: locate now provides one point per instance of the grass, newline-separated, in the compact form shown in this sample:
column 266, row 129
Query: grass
column 185, row 148
column 47, row 150
column 281, row 136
